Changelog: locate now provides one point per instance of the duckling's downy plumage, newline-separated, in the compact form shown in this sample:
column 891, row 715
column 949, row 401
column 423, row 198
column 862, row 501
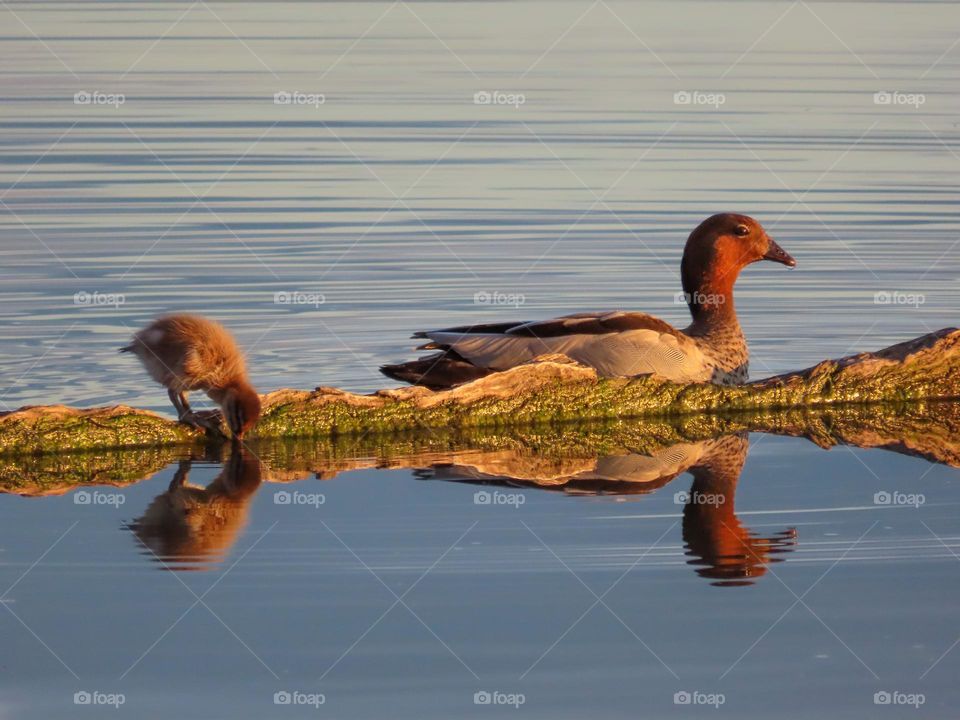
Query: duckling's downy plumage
column 189, row 352
column 620, row 343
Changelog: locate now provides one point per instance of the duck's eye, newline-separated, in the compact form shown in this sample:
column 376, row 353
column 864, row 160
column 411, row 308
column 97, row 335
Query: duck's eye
column 742, row 230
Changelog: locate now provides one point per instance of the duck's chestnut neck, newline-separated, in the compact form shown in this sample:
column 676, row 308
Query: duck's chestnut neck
column 708, row 288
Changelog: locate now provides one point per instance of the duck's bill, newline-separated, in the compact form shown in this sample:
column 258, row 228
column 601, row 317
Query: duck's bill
column 778, row 254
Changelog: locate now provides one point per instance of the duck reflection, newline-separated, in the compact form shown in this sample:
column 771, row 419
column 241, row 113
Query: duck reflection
column 193, row 528
column 723, row 549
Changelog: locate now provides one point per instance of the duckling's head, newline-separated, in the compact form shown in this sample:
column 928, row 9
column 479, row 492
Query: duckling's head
column 718, row 249
column 241, row 408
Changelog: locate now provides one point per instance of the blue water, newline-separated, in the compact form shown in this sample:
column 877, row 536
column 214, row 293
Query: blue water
column 398, row 204
column 398, row 199
column 492, row 597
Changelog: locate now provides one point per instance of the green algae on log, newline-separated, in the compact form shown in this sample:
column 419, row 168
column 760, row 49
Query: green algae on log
column 928, row 430
column 550, row 390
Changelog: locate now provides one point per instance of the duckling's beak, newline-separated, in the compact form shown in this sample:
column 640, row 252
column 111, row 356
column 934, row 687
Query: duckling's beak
column 778, row 254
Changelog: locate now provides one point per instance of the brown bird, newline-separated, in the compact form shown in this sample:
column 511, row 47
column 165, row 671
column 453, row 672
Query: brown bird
column 189, row 352
column 711, row 349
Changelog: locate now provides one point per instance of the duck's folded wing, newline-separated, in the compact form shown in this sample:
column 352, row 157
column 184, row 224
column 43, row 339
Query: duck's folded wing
column 593, row 323
column 615, row 343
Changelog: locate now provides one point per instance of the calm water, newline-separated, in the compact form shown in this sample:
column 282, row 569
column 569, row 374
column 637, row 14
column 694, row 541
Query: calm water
column 407, row 591
column 398, row 199
column 400, row 203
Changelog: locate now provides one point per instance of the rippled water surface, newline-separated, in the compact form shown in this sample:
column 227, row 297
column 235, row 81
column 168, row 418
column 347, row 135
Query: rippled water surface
column 398, row 199
column 166, row 156
column 575, row 582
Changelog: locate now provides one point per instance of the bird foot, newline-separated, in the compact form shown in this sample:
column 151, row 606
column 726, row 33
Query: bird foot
column 209, row 420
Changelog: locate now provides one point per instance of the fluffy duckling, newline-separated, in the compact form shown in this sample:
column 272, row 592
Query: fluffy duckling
column 711, row 349
column 189, row 352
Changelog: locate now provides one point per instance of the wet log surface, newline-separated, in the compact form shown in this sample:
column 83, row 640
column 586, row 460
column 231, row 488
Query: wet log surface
column 549, row 391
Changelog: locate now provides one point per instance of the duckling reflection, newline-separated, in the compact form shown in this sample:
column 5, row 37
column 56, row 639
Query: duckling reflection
column 193, row 528
column 725, row 551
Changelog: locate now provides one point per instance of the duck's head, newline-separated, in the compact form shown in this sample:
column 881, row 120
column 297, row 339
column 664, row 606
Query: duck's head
column 241, row 408
column 718, row 249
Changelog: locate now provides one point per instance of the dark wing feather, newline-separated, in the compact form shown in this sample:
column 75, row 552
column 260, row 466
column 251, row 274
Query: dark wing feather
column 593, row 324
column 489, row 328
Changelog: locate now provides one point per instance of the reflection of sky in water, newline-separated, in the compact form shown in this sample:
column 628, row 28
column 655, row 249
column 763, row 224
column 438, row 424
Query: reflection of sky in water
column 398, row 200
column 581, row 198
column 504, row 583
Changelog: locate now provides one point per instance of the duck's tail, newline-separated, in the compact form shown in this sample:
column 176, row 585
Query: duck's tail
column 440, row 371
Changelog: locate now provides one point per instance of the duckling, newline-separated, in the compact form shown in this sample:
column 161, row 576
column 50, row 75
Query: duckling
column 711, row 349
column 189, row 352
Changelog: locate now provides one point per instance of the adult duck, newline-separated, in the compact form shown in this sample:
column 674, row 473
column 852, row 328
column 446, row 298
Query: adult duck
column 711, row 349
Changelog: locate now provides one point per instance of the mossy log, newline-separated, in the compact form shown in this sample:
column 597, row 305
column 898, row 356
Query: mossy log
column 553, row 389
column 928, row 430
